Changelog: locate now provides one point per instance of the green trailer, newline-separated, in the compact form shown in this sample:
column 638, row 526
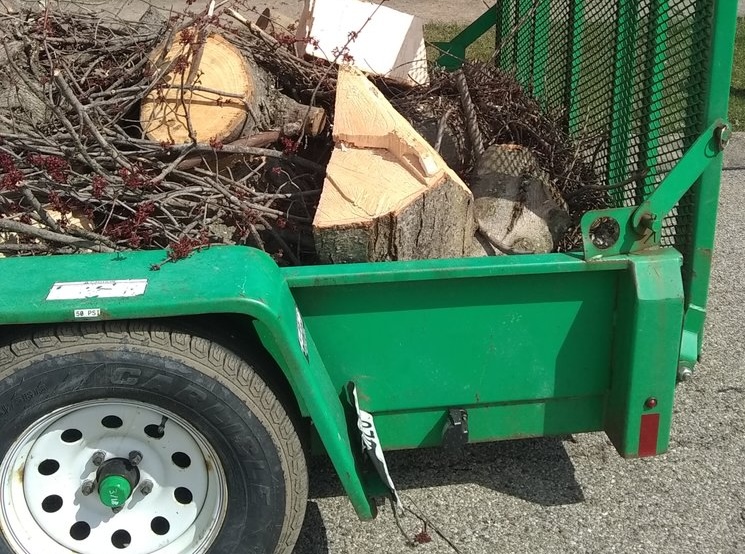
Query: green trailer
column 172, row 411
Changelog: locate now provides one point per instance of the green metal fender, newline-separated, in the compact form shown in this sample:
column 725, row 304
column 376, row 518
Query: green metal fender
column 235, row 280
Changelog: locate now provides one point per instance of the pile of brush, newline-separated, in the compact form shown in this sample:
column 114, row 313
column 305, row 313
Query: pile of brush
column 82, row 169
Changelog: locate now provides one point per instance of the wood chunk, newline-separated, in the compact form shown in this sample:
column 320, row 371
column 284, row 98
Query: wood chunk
column 372, row 37
column 169, row 115
column 388, row 195
column 516, row 207
column 210, row 93
column 292, row 118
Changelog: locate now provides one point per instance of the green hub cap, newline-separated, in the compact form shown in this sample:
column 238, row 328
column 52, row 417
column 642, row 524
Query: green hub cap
column 114, row 491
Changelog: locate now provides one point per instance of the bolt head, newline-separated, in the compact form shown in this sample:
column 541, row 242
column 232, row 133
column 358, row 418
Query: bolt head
column 685, row 374
column 135, row 457
column 87, row 487
column 98, row 457
column 724, row 134
column 146, row 487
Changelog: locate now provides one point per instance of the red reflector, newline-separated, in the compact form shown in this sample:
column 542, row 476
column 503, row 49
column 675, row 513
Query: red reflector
column 648, row 435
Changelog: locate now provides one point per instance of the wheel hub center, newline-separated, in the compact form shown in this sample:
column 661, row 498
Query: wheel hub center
column 116, row 478
column 150, row 483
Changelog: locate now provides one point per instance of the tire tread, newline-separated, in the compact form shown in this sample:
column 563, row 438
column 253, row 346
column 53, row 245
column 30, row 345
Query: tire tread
column 214, row 359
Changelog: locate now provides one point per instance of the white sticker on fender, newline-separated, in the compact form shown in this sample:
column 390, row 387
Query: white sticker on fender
column 79, row 290
column 301, row 338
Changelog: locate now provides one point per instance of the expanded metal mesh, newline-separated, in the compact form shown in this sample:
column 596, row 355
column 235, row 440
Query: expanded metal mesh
column 629, row 78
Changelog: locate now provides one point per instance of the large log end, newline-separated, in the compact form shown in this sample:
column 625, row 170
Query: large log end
column 516, row 207
column 170, row 113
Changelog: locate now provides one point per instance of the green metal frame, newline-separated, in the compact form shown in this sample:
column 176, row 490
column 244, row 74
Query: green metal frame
column 453, row 52
column 574, row 58
column 529, row 345
column 641, row 226
column 705, row 192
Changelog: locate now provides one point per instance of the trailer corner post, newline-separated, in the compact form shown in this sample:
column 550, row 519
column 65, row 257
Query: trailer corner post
column 645, row 354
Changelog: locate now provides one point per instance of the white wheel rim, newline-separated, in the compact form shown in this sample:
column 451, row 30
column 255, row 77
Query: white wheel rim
column 43, row 508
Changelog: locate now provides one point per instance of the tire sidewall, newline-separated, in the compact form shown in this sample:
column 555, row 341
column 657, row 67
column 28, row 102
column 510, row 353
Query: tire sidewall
column 250, row 459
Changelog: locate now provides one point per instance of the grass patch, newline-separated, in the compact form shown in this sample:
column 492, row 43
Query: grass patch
column 737, row 91
column 481, row 50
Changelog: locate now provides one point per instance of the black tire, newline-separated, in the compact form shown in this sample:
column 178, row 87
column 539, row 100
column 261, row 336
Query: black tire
column 237, row 413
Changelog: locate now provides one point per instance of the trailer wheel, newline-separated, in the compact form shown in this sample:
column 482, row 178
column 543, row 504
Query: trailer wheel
column 134, row 438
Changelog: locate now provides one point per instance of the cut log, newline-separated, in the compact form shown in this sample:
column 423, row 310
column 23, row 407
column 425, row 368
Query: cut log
column 388, row 195
column 181, row 114
column 372, row 37
column 517, row 208
column 212, row 92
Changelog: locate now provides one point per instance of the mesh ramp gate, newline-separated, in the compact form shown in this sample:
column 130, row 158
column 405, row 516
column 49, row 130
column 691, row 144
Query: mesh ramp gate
column 645, row 76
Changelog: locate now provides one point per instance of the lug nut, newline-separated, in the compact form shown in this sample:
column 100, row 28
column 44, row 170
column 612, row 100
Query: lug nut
column 146, row 487
column 98, row 457
column 135, row 457
column 87, row 487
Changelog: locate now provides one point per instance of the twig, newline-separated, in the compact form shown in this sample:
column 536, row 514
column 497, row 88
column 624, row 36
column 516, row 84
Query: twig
column 45, row 217
column 249, row 150
column 637, row 175
column 442, row 125
column 84, row 117
column 30, row 230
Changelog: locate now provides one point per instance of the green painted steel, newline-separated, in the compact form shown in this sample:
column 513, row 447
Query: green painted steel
column 504, row 44
column 525, row 47
column 524, row 343
column 453, row 52
column 541, row 45
column 489, row 422
column 217, row 280
column 641, row 226
column 645, row 352
column 623, row 94
column 654, row 95
column 573, row 72
column 705, row 194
